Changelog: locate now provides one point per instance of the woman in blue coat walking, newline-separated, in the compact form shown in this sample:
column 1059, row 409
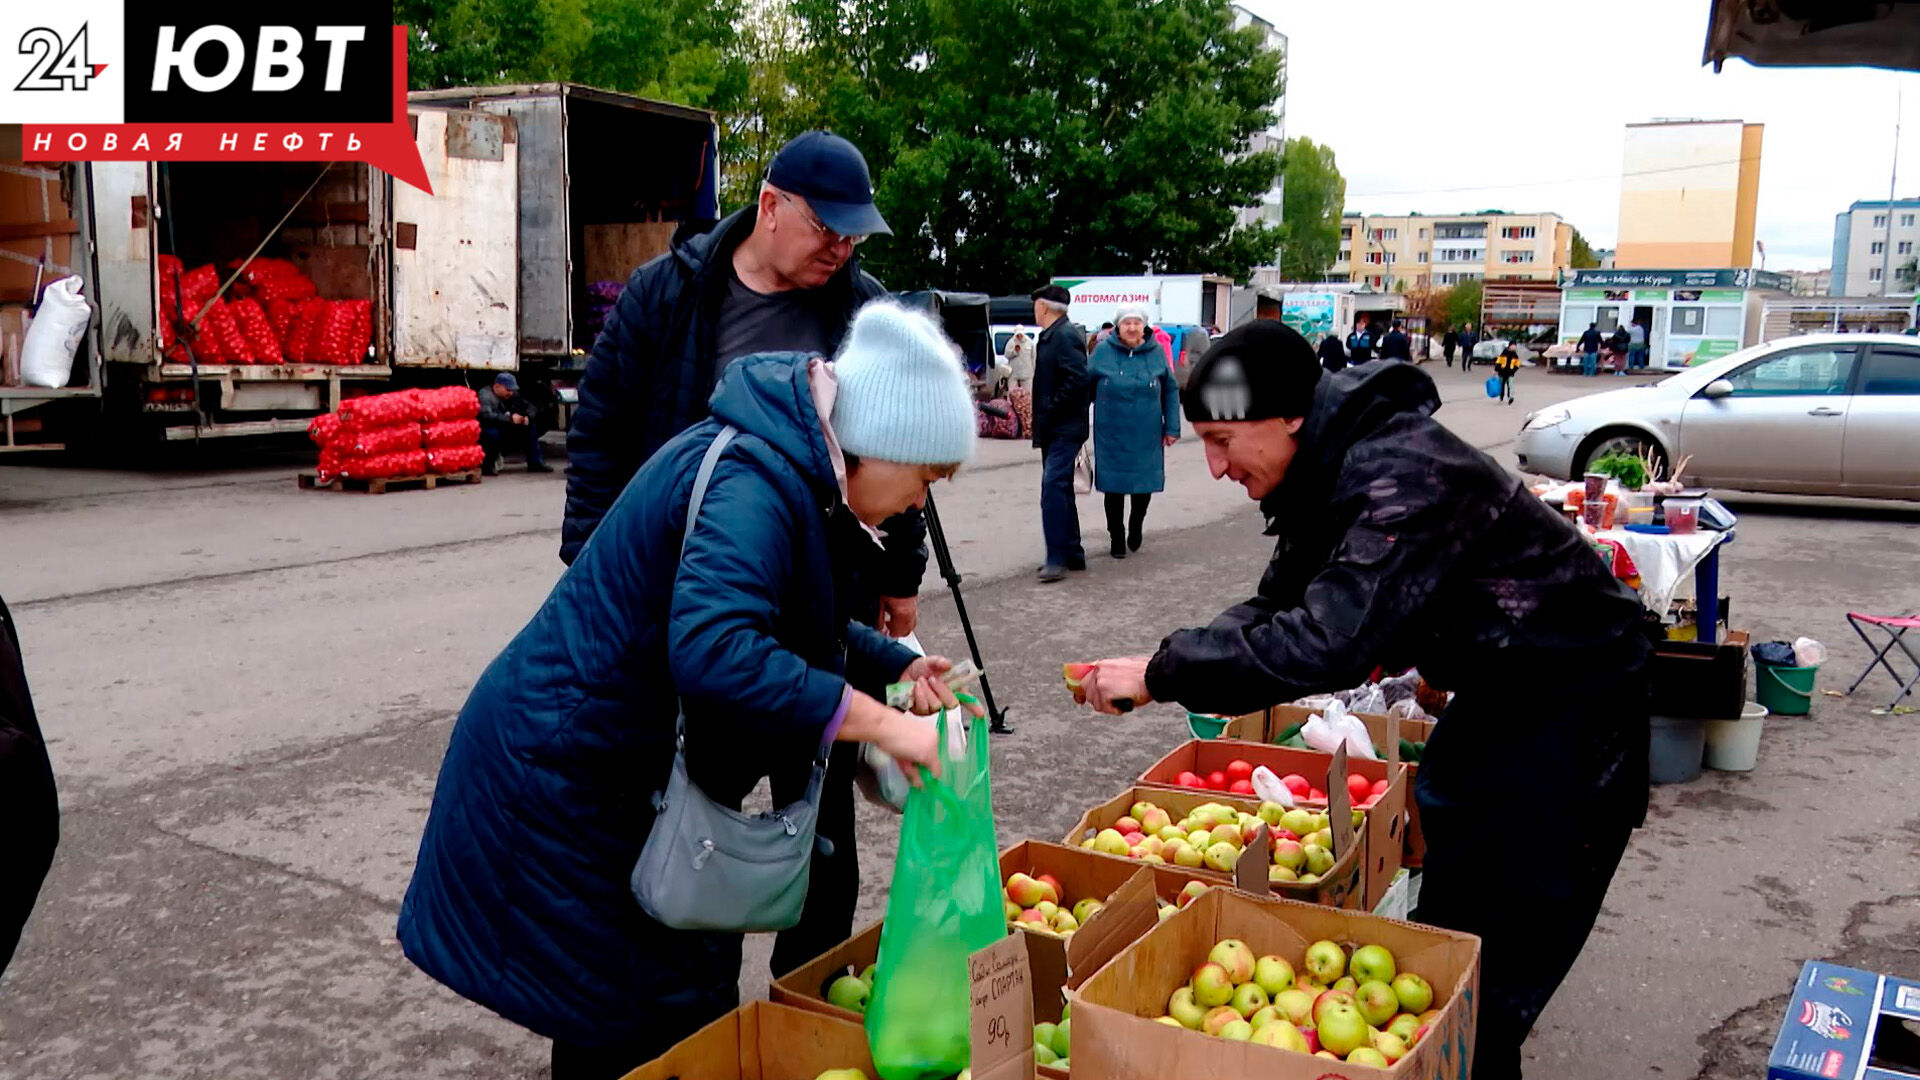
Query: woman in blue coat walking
column 1136, row 416
column 520, row 898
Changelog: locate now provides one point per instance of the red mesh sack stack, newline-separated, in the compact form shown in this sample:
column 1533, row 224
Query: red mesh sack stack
column 382, row 410
column 262, row 346
column 450, row 403
column 446, row 433
column 449, row 459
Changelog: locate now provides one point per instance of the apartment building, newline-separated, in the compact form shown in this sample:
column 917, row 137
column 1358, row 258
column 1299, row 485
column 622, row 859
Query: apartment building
column 1273, row 138
column 1861, row 259
column 1416, row 251
column 1688, row 195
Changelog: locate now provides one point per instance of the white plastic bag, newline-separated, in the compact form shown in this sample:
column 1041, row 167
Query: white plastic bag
column 1325, row 732
column 47, row 356
column 1270, row 789
column 1808, row 652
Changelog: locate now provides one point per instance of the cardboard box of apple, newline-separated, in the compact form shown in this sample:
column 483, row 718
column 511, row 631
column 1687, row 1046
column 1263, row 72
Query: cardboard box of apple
column 1268, row 989
column 1390, row 734
column 763, row 1040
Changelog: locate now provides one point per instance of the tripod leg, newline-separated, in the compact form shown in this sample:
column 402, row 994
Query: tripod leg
column 943, row 557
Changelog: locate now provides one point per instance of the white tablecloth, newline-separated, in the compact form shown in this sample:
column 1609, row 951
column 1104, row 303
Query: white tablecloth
column 1665, row 561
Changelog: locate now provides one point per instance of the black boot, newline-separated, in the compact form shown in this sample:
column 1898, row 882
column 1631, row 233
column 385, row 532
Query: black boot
column 1136, row 521
column 1116, row 532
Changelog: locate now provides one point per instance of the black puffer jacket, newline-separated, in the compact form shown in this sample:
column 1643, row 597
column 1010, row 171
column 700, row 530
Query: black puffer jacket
column 1062, row 389
column 28, row 804
column 652, row 373
column 1401, row 545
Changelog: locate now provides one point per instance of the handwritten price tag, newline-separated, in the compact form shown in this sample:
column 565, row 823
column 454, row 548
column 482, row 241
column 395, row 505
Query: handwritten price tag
column 1001, row 996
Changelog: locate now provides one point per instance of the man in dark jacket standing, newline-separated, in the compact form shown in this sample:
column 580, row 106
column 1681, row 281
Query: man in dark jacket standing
column 1468, row 339
column 1060, row 400
column 1332, row 356
column 778, row 276
column 28, row 803
column 1400, row 545
column 1396, row 345
column 1590, row 350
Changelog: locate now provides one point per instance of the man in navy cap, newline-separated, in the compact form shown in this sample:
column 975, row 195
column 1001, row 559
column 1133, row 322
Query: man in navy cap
column 778, row 276
column 1400, row 545
column 507, row 419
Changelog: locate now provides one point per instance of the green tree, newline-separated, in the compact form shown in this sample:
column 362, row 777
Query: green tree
column 674, row 50
column 1463, row 303
column 1313, row 197
column 774, row 106
column 1012, row 140
column 1583, row 257
column 1906, row 274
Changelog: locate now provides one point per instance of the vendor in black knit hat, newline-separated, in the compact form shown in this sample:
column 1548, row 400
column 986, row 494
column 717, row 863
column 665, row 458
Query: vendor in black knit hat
column 1400, row 545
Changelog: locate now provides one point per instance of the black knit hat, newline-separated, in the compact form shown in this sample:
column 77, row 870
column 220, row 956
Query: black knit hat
column 1056, row 293
column 1262, row 370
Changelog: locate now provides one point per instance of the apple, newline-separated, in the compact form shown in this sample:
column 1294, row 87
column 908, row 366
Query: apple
column 1152, row 845
column 1297, row 821
column 1233, row 955
column 1291, row 854
column 1226, row 834
column 1087, row 843
column 1391, row 1046
column 1373, row 963
column 1189, row 856
column 1043, row 1035
column 1169, row 1021
column 1212, row 986
column 1330, row 999
column 1025, row 891
column 1271, row 813
column 1316, row 795
column 1273, row 974
column 1312, row 1037
column 1032, row 915
column 1155, row 820
column 1076, row 677
column 1047, row 909
column 1277, row 875
column 1128, row 824
column 1348, row 983
column 1326, row 1054
column 1248, row 998
column 1044, row 1055
column 1156, row 860
column 1240, row 787
column 1342, row 1029
column 1428, row 1016
column 867, row 973
column 1379, row 787
column 1219, row 1018
column 1064, row 922
column 1110, row 842
column 1184, row 1009
column 1066, row 1010
column 1237, row 1030
column 1414, row 992
column 1053, row 884
column 1419, row 1033
column 1319, row 859
column 1403, row 1026
column 1376, row 1001
column 1296, row 1005
column 1166, row 912
column 1085, row 908
column 1189, row 780
column 1062, row 1041
column 1201, row 838
column 1217, row 780
column 1222, row 856
column 849, row 993
column 1013, row 911
column 1264, row 1015
column 1191, row 892
column 1134, row 838
column 1281, row 1035
column 1367, row 1055
column 1309, row 879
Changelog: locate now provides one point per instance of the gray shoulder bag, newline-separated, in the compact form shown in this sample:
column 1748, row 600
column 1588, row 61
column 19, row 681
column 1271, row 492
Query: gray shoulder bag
column 710, row 867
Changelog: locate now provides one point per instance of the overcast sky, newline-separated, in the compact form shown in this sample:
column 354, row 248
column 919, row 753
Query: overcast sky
column 1444, row 107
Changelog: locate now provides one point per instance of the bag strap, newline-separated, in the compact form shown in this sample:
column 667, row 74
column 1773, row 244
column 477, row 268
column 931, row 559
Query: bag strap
column 700, row 481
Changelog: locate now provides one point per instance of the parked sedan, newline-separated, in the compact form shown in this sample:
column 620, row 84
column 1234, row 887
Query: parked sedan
column 1823, row 414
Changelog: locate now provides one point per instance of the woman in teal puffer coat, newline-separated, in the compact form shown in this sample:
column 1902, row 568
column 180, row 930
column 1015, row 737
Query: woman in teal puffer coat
column 1136, row 416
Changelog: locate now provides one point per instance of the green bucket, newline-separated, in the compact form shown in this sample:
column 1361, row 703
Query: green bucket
column 1206, row 727
column 1785, row 691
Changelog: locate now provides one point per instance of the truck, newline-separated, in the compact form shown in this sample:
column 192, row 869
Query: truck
column 493, row 272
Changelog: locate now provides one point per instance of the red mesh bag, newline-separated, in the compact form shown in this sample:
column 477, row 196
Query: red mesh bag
column 450, row 403
column 282, row 317
column 393, row 439
column 377, row 466
column 382, row 410
column 446, row 433
column 300, row 344
column 447, row 459
column 323, row 429
column 343, row 339
column 220, row 327
column 262, row 345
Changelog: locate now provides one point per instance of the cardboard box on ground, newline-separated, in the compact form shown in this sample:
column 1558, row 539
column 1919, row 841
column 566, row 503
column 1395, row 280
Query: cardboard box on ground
column 763, row 1041
column 1115, row 1036
column 1384, row 831
column 1846, row 1022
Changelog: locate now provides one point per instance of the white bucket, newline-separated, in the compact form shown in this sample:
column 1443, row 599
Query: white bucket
column 1734, row 745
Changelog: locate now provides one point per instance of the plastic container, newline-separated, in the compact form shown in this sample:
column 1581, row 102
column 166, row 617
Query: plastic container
column 1204, row 726
column 1677, row 749
column 1596, row 485
column 1734, row 745
column 1787, row 691
column 1683, row 516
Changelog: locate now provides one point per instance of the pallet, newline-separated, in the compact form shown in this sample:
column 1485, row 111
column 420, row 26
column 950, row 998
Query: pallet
column 310, row 481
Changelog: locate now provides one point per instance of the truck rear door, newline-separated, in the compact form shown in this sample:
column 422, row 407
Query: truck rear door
column 455, row 265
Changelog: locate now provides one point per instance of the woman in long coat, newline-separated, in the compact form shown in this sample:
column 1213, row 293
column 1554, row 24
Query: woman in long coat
column 1136, row 416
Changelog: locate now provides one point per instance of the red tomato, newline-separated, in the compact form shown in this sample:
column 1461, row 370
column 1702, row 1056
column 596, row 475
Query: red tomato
column 1239, row 770
column 1380, row 787
column 1358, row 787
column 1217, row 780
column 1297, row 784
column 1189, row 780
column 1241, row 787
column 1316, row 795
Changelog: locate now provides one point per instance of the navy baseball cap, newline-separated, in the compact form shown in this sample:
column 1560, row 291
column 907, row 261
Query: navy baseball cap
column 828, row 172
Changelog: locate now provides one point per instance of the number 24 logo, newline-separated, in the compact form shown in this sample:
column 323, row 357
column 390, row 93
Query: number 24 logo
column 57, row 64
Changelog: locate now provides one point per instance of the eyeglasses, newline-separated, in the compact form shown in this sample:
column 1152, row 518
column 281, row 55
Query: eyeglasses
column 832, row 238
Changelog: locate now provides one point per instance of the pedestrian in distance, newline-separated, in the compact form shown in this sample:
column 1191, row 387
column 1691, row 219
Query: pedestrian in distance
column 1020, row 358
column 780, row 275
column 1449, row 342
column 1468, row 339
column 1396, row 345
column 1333, row 357
column 1136, row 416
column 1590, row 350
column 508, row 420
column 1507, row 365
column 1060, row 397
column 1359, row 344
column 1637, row 345
column 732, row 627
column 1619, row 347
column 1399, row 543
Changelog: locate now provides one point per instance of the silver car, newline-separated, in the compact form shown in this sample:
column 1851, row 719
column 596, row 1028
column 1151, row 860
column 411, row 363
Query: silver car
column 1821, row 414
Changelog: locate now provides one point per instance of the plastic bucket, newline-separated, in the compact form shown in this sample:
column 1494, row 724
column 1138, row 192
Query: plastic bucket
column 1206, row 727
column 1786, row 691
column 1676, row 750
column 1734, row 745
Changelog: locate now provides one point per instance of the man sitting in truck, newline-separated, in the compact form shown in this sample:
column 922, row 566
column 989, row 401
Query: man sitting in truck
column 507, row 419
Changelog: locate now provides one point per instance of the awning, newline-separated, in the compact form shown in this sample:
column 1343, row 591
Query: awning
column 1815, row 33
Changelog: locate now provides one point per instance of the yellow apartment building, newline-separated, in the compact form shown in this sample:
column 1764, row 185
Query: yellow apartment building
column 1414, row 251
column 1688, row 192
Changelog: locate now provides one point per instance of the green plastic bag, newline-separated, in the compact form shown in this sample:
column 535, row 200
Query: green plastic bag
column 945, row 905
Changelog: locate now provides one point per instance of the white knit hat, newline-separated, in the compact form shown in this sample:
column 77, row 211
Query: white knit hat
column 902, row 395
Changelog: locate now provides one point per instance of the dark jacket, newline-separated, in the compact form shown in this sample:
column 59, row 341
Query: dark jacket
column 1136, row 403
column 1396, row 346
column 1360, row 346
column 652, row 371
column 1620, row 340
column 1400, row 545
column 520, row 897
column 1061, row 388
column 1333, row 356
column 1450, row 341
column 497, row 413
column 28, row 803
column 1590, row 341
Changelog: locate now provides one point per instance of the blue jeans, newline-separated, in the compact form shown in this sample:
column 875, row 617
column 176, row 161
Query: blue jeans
column 1637, row 357
column 1059, row 517
column 1589, row 363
